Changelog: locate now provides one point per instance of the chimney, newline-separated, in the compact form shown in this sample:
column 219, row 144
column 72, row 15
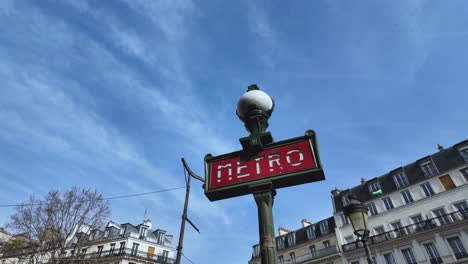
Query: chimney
column 335, row 191
column 147, row 222
column 283, row 231
column 439, row 147
column 363, row 180
column 305, row 222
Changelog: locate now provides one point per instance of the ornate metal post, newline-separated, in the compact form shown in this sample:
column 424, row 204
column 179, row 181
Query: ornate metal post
column 254, row 109
column 266, row 228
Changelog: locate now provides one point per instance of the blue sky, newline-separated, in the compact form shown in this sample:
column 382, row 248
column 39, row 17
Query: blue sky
column 111, row 94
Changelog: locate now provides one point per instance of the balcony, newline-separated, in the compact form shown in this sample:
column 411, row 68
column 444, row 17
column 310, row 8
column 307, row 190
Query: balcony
column 437, row 260
column 429, row 224
column 127, row 253
column 317, row 254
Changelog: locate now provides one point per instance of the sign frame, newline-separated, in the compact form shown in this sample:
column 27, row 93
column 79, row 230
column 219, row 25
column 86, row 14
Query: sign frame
column 275, row 181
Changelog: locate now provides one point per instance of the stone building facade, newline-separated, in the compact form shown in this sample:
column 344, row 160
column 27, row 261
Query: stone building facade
column 418, row 213
column 313, row 243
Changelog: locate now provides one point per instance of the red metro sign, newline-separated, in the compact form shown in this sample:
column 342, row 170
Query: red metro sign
column 285, row 163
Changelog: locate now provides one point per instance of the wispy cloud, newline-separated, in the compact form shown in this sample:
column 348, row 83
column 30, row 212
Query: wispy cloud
column 266, row 40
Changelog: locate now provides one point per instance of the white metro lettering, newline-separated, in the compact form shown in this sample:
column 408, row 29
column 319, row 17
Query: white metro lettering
column 220, row 169
column 288, row 157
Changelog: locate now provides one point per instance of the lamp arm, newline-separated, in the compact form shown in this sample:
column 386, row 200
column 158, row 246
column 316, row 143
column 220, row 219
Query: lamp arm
column 191, row 173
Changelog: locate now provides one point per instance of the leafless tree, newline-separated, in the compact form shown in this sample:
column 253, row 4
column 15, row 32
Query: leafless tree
column 50, row 224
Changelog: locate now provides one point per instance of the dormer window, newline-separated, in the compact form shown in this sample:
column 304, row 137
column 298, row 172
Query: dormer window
column 345, row 199
column 143, row 232
column 464, row 153
column 256, row 251
column 324, row 227
column 429, row 169
column 310, row 232
column 374, row 188
column 400, row 179
column 280, row 242
column 122, row 230
column 161, row 238
column 291, row 239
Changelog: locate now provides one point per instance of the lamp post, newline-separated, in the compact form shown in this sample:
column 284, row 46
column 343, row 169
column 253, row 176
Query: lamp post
column 357, row 214
column 254, row 109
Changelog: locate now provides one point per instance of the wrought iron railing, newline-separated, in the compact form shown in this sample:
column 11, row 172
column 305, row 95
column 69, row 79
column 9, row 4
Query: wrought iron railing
column 427, row 224
column 121, row 253
column 437, row 260
column 317, row 254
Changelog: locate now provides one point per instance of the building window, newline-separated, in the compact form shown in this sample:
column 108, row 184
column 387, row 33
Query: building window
column 427, row 188
column 134, row 249
column 165, row 255
column 72, row 253
column 462, row 209
column 464, row 172
column 447, row 182
column 324, row 227
column 122, row 248
column 388, row 203
column 457, row 247
column 441, row 216
column 429, row 169
column 83, row 251
column 464, row 152
column 400, row 180
column 281, row 259
column 112, row 248
column 407, row 196
column 345, row 199
column 344, row 219
column 291, row 239
column 374, row 187
column 434, row 257
column 123, row 230
column 313, row 250
column 143, row 232
column 372, row 209
column 409, row 256
column 106, row 233
column 379, row 230
column 310, row 232
column 417, row 220
column 355, row 262
column 389, row 258
column 280, row 242
column 99, row 250
column 292, row 256
column 326, row 244
column 160, row 235
column 397, row 229
column 256, row 251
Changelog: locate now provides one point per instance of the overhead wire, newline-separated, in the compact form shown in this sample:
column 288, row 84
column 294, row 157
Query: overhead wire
column 100, row 199
column 188, row 258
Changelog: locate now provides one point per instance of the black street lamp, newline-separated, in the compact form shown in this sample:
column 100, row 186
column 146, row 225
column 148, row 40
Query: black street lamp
column 357, row 214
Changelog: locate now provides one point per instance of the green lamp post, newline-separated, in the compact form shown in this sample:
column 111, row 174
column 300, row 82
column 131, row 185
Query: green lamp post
column 254, row 109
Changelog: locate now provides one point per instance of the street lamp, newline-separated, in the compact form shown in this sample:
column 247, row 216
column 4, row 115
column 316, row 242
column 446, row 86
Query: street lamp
column 357, row 214
column 254, row 109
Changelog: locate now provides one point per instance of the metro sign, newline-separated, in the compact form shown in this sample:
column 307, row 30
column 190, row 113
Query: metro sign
column 284, row 163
